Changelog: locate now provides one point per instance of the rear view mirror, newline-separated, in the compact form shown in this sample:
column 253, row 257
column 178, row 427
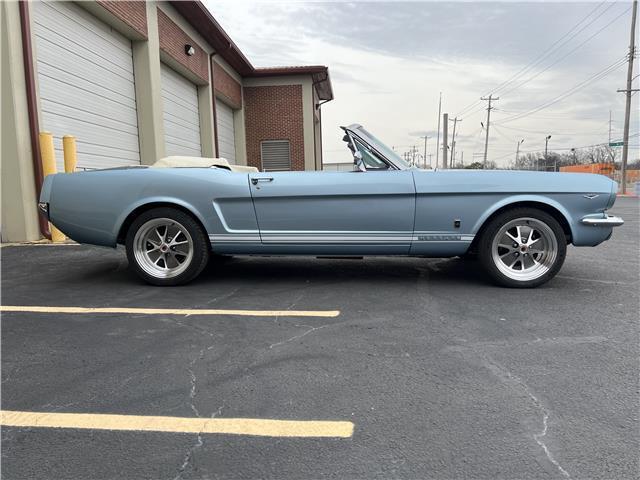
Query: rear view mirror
column 357, row 160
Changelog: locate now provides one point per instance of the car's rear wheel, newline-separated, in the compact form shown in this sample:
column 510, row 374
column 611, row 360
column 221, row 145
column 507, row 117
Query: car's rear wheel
column 166, row 246
column 522, row 248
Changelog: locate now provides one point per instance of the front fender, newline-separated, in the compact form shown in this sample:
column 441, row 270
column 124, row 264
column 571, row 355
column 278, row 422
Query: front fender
column 513, row 199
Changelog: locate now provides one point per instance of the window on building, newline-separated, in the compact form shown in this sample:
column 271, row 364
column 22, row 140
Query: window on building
column 275, row 155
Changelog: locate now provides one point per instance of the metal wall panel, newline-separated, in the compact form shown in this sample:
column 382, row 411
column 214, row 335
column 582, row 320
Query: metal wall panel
column 226, row 132
column 181, row 114
column 86, row 85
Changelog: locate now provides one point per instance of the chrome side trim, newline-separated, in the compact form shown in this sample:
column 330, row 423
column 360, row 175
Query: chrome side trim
column 606, row 221
column 216, row 207
column 235, row 238
column 442, row 237
column 335, row 239
column 349, row 237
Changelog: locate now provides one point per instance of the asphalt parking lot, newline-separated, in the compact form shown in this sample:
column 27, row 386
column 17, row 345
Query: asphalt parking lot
column 441, row 374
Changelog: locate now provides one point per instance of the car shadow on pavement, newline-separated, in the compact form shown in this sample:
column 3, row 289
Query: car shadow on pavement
column 321, row 270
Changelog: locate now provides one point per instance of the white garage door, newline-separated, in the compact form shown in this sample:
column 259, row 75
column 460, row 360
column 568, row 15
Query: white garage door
column 86, row 85
column 181, row 114
column 226, row 132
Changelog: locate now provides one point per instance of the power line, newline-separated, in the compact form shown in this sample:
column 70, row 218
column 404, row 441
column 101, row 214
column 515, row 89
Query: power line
column 566, row 55
column 536, row 60
column 597, row 76
column 544, row 133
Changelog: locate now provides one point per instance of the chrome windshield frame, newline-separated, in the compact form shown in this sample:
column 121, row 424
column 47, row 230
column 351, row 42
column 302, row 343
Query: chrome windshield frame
column 355, row 130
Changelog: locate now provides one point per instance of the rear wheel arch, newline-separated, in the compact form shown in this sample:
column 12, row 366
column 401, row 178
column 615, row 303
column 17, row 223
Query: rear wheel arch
column 544, row 207
column 139, row 210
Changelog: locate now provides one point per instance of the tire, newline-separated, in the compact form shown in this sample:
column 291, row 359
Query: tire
column 522, row 248
column 166, row 246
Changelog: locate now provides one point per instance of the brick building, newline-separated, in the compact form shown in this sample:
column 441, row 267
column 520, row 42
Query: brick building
column 137, row 81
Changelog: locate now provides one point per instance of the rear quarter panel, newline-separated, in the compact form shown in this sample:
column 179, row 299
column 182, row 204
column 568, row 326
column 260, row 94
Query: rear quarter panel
column 90, row 207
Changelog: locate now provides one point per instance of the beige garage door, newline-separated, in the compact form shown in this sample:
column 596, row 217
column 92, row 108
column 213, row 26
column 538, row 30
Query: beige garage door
column 86, row 85
column 226, row 132
column 181, row 114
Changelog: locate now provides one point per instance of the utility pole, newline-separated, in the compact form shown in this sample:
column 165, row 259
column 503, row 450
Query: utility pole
column 518, row 151
column 445, row 139
column 438, row 141
column 486, row 140
column 425, row 150
column 453, row 142
column 462, row 158
column 628, row 91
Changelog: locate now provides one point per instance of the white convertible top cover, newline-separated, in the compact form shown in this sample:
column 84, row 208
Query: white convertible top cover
column 200, row 162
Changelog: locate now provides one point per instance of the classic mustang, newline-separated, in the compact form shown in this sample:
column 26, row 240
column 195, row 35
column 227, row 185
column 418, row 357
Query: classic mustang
column 173, row 217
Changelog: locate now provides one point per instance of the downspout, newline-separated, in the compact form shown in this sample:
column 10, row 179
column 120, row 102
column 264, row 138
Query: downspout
column 32, row 108
column 213, row 106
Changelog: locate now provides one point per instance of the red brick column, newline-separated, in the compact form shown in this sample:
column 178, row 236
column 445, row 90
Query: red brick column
column 274, row 113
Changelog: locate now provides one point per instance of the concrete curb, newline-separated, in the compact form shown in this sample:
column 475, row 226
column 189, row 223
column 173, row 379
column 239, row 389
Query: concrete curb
column 38, row 243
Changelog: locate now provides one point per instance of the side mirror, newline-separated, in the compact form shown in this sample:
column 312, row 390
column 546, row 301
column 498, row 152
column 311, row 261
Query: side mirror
column 357, row 159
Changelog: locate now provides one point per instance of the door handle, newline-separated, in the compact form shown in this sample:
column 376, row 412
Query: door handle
column 255, row 180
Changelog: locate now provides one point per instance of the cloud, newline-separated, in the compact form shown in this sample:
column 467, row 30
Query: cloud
column 389, row 61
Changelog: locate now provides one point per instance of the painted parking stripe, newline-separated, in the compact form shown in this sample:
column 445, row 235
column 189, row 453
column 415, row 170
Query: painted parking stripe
column 137, row 423
column 170, row 311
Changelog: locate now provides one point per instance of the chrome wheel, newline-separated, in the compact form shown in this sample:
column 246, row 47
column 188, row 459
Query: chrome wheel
column 524, row 249
column 163, row 248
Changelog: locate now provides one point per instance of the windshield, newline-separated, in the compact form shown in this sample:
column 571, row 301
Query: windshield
column 376, row 144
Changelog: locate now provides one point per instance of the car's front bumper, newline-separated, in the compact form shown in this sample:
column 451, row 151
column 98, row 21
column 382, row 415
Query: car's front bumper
column 599, row 220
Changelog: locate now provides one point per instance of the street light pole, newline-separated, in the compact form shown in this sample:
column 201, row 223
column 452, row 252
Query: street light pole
column 518, row 151
column 425, row 150
column 546, row 148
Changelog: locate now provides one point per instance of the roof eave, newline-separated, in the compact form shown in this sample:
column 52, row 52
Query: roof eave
column 201, row 19
column 206, row 25
column 319, row 75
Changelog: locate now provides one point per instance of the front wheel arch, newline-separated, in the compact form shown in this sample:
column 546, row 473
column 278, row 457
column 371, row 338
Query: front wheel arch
column 544, row 207
column 139, row 210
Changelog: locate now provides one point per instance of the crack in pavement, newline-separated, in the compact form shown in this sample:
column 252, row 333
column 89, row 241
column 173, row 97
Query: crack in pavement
column 311, row 330
column 193, row 381
column 506, row 376
column 473, row 354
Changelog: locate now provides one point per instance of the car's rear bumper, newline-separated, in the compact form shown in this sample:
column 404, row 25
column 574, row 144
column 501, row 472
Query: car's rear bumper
column 602, row 220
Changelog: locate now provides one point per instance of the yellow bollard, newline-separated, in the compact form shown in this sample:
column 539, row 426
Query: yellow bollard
column 70, row 153
column 48, row 168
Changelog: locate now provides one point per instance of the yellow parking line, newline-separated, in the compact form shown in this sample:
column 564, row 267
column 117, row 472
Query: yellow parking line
column 171, row 311
column 230, row 426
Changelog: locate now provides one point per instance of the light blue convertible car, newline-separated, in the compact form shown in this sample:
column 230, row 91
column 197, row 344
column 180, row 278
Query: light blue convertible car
column 172, row 219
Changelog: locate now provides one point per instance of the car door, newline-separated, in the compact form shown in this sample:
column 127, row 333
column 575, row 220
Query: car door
column 356, row 212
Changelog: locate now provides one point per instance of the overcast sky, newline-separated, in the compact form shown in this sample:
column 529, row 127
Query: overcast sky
column 388, row 62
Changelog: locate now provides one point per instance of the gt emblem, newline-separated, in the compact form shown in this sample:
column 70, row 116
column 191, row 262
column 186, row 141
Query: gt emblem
column 591, row 196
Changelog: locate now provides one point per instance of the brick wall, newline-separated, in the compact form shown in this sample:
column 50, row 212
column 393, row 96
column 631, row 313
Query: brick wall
column 274, row 113
column 226, row 86
column 172, row 42
column 133, row 14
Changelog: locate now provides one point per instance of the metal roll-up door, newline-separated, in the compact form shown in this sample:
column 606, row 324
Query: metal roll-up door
column 181, row 114
column 86, row 85
column 226, row 132
column 275, row 155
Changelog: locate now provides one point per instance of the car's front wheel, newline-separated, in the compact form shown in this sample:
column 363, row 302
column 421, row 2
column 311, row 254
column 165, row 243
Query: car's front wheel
column 522, row 248
column 166, row 246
